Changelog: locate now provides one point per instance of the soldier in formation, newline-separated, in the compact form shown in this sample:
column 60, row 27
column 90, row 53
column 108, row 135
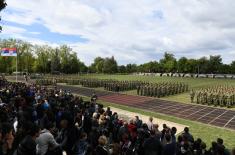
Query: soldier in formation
column 122, row 85
column 161, row 89
column 192, row 95
column 217, row 96
column 44, row 82
column 92, row 83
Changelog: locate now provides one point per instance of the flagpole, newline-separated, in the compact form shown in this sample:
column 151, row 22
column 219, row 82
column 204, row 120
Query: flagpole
column 16, row 68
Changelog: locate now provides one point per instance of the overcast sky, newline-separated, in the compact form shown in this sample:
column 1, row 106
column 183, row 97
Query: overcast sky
column 133, row 31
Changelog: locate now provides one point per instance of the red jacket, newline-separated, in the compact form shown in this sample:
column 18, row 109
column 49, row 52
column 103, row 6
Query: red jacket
column 132, row 130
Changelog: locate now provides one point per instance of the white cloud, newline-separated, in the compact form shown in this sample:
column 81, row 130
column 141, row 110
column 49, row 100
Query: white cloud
column 12, row 29
column 18, row 33
column 136, row 31
column 35, row 33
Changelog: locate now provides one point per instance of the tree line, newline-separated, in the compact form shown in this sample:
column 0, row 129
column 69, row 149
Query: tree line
column 40, row 59
column 168, row 64
column 46, row 59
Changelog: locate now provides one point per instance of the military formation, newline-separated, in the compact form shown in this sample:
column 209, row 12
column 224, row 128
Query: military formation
column 162, row 89
column 93, row 83
column 44, row 82
column 108, row 84
column 122, row 85
column 216, row 96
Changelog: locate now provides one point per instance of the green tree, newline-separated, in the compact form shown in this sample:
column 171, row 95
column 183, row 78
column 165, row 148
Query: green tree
column 73, row 63
column 25, row 56
column 98, row 65
column 226, row 69
column 55, row 60
column 82, row 67
column 150, row 67
column 214, row 64
column 142, row 68
column 192, row 66
column 232, row 67
column 5, row 66
column 42, row 60
column 131, row 68
column 122, row 69
column 182, row 65
column 203, row 65
column 65, row 58
column 110, row 65
column 168, row 63
column 153, row 66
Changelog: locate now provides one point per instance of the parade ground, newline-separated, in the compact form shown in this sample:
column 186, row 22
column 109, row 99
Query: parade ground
column 208, row 115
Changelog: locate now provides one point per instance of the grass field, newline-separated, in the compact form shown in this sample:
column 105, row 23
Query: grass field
column 206, row 132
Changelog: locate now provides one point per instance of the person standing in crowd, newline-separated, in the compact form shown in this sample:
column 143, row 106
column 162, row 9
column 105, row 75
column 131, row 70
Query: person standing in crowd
column 46, row 142
column 138, row 122
column 28, row 145
column 123, row 131
column 100, row 149
column 170, row 147
column 150, row 124
column 94, row 97
column 6, row 139
column 187, row 135
column 81, row 146
column 152, row 145
column 173, row 133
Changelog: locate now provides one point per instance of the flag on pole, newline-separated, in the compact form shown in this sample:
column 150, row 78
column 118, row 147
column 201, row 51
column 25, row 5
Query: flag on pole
column 9, row 52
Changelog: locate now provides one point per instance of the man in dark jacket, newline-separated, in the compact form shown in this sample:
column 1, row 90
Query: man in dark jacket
column 152, row 146
column 170, row 147
column 81, row 145
column 187, row 135
column 28, row 144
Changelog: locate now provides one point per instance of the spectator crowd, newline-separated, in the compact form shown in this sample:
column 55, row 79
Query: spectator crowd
column 35, row 120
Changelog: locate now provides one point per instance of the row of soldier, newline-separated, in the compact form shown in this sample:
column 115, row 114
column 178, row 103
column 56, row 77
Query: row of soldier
column 44, row 82
column 161, row 89
column 93, row 83
column 122, row 85
column 110, row 84
column 217, row 96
